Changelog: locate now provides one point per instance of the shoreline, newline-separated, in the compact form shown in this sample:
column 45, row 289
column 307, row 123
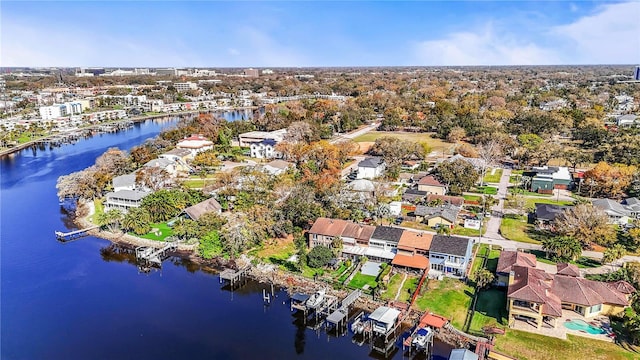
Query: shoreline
column 136, row 119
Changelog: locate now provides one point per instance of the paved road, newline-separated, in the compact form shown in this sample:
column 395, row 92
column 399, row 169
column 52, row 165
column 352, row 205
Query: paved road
column 493, row 225
column 355, row 134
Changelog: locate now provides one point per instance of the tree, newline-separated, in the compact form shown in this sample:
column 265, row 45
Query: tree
column 489, row 152
column 319, row 256
column 210, row 245
column 187, row 229
column 153, row 178
column 137, row 220
column 394, row 151
column 613, row 254
column 483, row 277
column 459, row 175
column 562, row 248
column 608, row 181
column 456, row 134
column 110, row 219
column 587, row 224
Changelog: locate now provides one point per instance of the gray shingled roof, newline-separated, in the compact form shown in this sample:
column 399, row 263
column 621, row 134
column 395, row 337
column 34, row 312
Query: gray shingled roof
column 124, row 180
column 451, row 245
column 387, row 233
column 371, row 162
column 549, row 212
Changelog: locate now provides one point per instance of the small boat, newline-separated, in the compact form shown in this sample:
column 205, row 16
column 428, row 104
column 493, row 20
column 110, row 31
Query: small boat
column 421, row 338
column 316, row 299
column 358, row 326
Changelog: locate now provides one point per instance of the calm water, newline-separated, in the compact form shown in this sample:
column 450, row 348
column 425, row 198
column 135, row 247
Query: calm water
column 73, row 301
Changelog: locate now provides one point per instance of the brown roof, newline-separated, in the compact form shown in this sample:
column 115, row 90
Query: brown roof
column 199, row 209
column 567, row 269
column 328, row 227
column 431, row 181
column 411, row 240
column 415, row 261
column 357, row 231
column 453, row 200
column 533, row 285
column 585, row 292
column 622, row 286
column 510, row 258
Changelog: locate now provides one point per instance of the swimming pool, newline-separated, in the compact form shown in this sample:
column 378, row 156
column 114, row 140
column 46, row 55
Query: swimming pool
column 581, row 325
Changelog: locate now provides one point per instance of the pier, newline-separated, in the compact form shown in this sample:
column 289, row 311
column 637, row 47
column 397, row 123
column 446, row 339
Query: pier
column 73, row 235
column 338, row 317
column 233, row 276
column 154, row 256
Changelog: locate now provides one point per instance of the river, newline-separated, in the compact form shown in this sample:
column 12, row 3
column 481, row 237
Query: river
column 74, row 301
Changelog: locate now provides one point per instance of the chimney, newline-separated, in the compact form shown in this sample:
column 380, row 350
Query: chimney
column 512, row 275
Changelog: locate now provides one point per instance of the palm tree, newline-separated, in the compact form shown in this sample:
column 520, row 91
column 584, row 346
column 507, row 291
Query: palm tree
column 562, row 248
column 137, row 220
column 612, row 254
column 111, row 219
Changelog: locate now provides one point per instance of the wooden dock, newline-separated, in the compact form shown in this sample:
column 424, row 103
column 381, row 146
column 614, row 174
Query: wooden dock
column 338, row 317
column 73, row 235
column 154, row 256
column 233, row 276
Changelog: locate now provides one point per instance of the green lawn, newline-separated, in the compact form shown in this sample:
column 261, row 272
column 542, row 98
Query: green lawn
column 519, row 191
column 461, row 230
column 450, row 298
column 473, row 198
column 487, row 190
column 490, row 310
column 163, row 228
column 408, row 288
column 360, row 280
column 99, row 209
column 495, row 178
column 492, row 261
column 517, row 230
column 530, row 202
column 529, row 346
column 392, row 287
column 434, row 144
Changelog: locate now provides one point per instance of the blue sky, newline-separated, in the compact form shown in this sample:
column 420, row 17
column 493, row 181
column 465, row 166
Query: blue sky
column 321, row 33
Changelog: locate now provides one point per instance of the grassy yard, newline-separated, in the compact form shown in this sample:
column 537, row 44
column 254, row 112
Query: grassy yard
column 518, row 230
column 163, row 229
column 99, row 209
column 392, row 287
column 531, row 202
column 529, row 346
column 492, row 261
column 477, row 198
column 360, row 280
column 519, row 191
column 493, row 178
column 435, row 144
column 487, row 190
column 450, row 298
column 490, row 310
column 408, row 288
column 461, row 230
column 277, row 251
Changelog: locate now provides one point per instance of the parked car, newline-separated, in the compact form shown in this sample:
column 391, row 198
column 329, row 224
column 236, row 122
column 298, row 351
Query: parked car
column 399, row 220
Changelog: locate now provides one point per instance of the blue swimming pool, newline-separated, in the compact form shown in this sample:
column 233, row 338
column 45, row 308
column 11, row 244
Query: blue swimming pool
column 582, row 325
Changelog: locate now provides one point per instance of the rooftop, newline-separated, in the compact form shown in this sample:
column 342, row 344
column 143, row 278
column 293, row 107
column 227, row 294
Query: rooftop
column 452, row 245
column 387, row 233
column 371, row 162
column 414, row 261
column 430, row 181
column 509, row 258
column 415, row 240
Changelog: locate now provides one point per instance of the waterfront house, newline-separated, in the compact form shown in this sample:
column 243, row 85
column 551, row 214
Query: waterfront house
column 324, row 231
column 196, row 211
column 370, row 168
column 450, row 256
column 542, row 298
column 124, row 199
column 195, row 144
column 383, row 243
column 265, row 149
column 124, row 182
column 510, row 258
column 413, row 251
column 431, row 185
column 355, row 237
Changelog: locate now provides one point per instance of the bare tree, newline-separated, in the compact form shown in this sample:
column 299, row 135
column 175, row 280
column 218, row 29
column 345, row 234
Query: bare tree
column 489, row 152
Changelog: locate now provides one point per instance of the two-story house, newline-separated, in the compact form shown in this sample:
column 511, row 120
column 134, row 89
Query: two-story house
column 450, row 256
column 265, row 149
column 413, row 251
column 510, row 258
column 383, row 243
column 195, row 144
column 616, row 212
column 371, row 168
column 124, row 199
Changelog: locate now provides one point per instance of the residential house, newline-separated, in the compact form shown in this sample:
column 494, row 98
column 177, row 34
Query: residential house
column 633, row 205
column 548, row 178
column 627, row 120
column 443, row 215
column 477, row 163
column 617, row 213
column 170, row 166
column 179, row 158
column 413, row 195
column 546, row 214
column 265, row 149
column 371, row 168
column 450, row 256
column 248, row 138
column 510, row 258
column 413, row 251
column 536, row 295
column 384, row 243
column 355, row 237
column 124, row 199
column 432, row 186
column 324, row 231
column 277, row 167
column 196, row 144
column 196, row 211
column 124, row 182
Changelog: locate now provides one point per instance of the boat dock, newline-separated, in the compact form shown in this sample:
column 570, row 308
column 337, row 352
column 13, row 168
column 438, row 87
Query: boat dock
column 233, row 276
column 338, row 317
column 73, row 235
column 154, row 256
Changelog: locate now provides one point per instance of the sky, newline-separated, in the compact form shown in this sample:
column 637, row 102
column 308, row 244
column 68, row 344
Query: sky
column 318, row 33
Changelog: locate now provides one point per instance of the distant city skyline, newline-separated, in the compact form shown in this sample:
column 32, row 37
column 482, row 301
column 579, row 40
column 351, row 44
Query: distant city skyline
column 285, row 34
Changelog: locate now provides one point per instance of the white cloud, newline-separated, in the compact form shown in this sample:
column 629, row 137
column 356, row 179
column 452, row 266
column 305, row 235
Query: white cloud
column 485, row 47
column 609, row 36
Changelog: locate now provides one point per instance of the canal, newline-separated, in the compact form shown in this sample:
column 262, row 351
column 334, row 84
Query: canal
column 81, row 301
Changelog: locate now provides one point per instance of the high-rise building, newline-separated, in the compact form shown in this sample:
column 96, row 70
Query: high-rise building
column 636, row 74
column 251, row 72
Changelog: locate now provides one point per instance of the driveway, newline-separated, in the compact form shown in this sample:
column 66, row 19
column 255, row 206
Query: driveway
column 493, row 225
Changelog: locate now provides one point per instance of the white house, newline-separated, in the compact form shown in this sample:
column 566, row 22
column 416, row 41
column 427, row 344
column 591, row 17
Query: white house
column 196, row 144
column 617, row 213
column 371, row 168
column 124, row 199
column 265, row 149
column 167, row 165
column 124, row 182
